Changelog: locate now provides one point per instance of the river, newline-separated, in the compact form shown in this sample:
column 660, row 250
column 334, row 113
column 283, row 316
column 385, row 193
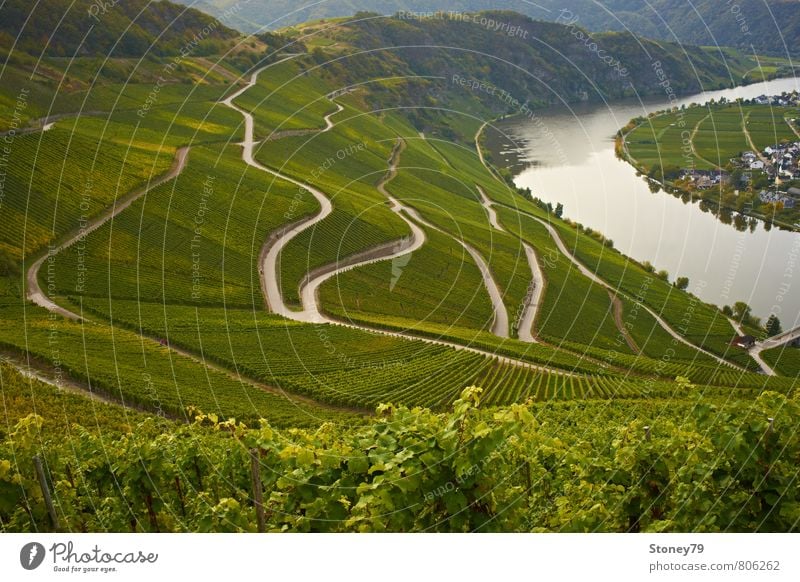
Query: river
column 566, row 155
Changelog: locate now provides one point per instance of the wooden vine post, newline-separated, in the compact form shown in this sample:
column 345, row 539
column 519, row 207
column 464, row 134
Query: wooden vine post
column 258, row 494
column 48, row 499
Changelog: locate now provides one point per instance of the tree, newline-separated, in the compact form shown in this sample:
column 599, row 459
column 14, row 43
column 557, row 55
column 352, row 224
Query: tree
column 773, row 325
column 559, row 210
column 663, row 274
column 682, row 283
column 726, row 310
column 741, row 311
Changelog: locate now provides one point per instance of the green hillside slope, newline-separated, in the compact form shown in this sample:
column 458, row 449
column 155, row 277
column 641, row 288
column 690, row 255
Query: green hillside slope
column 257, row 260
column 771, row 26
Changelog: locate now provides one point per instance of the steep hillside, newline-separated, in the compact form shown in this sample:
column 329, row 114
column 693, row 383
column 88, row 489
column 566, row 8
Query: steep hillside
column 122, row 29
column 506, row 61
column 771, row 26
column 60, row 57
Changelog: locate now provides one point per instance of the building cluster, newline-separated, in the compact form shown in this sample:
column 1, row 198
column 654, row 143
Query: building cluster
column 781, row 163
column 704, row 179
column 779, row 196
column 782, row 160
column 790, row 99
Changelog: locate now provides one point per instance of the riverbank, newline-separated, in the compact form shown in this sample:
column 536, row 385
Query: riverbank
column 696, row 153
column 574, row 163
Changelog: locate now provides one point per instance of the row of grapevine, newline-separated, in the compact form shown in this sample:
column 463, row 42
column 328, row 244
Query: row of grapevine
column 718, row 467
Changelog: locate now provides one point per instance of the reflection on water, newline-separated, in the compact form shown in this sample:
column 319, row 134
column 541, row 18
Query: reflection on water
column 727, row 257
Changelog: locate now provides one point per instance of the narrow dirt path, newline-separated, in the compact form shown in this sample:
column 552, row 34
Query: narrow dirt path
column 271, row 250
column 44, row 373
column 34, row 292
column 480, row 153
column 398, row 249
column 276, row 135
column 500, row 323
column 617, row 306
column 694, row 148
column 594, row 278
column 749, row 139
column 533, row 299
column 46, row 123
column 792, row 127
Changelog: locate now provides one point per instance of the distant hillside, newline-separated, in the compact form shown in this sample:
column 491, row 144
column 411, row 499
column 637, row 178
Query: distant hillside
column 68, row 28
column 65, row 56
column 767, row 26
column 448, row 62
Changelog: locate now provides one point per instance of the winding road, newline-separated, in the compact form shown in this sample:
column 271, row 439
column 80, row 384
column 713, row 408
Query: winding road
column 769, row 344
column 752, row 144
column 34, row 292
column 276, row 135
column 309, row 289
column 536, row 289
column 595, row 279
column 310, row 313
column 693, row 135
column 270, row 253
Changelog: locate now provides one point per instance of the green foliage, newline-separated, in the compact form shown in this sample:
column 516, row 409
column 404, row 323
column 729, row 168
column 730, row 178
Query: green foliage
column 705, row 467
column 773, row 325
column 8, row 266
column 785, row 359
column 205, row 229
column 123, row 29
column 62, row 409
column 129, row 368
column 771, row 27
column 40, row 204
column 742, row 312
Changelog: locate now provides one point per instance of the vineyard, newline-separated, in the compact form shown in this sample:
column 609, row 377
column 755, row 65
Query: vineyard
column 717, row 134
column 211, row 222
column 164, row 367
column 713, row 137
column 703, row 465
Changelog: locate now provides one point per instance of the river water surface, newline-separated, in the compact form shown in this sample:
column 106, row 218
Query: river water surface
column 567, row 156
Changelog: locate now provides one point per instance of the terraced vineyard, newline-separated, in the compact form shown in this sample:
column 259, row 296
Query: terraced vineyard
column 290, row 248
column 182, row 265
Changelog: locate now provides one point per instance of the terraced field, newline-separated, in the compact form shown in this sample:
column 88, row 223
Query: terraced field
column 706, row 137
column 270, row 282
column 170, row 292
